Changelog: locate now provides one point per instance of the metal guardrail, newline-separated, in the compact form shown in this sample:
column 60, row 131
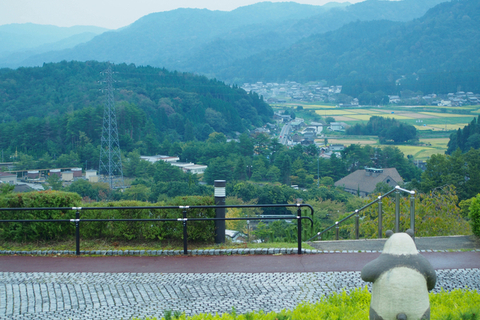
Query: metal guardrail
column 183, row 219
column 397, row 190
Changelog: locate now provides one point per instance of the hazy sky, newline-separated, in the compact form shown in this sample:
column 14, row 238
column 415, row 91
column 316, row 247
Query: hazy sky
column 111, row 14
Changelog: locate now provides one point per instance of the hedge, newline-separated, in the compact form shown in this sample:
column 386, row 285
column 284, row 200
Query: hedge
column 198, row 231
column 15, row 231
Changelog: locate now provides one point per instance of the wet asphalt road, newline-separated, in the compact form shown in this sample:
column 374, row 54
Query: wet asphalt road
column 325, row 262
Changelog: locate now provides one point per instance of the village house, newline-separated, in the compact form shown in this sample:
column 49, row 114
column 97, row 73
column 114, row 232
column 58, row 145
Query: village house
column 6, row 177
column 363, row 182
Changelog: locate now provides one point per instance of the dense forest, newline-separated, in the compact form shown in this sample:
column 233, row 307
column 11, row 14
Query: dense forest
column 58, row 108
column 466, row 138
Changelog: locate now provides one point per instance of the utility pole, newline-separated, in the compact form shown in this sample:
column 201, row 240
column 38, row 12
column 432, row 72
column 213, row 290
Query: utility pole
column 318, row 170
column 110, row 167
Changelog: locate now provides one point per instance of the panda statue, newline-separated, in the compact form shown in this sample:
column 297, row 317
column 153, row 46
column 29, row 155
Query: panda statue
column 401, row 280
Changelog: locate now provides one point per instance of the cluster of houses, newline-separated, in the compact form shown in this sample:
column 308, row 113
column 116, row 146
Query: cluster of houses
column 32, row 179
column 294, row 91
column 457, row 99
column 318, row 92
column 174, row 161
column 305, row 134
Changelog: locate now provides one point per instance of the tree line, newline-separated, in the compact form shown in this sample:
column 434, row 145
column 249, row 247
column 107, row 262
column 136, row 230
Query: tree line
column 387, row 129
column 466, row 138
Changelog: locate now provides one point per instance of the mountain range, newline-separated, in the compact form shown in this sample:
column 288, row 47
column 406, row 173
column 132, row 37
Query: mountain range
column 207, row 42
column 20, row 41
column 368, row 46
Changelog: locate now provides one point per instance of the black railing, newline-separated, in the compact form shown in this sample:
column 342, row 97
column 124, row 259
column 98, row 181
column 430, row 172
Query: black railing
column 183, row 219
column 397, row 190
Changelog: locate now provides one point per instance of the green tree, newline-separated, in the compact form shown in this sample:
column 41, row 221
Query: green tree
column 165, row 172
column 474, row 215
column 245, row 145
column 436, row 214
column 137, row 192
column 457, row 169
column 83, row 188
column 54, row 181
column 240, row 172
column 218, row 169
column 6, row 188
column 216, row 137
column 25, row 162
column 273, row 174
column 259, row 170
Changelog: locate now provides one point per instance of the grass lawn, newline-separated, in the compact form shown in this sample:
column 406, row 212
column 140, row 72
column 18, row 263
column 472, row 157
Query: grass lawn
column 101, row 244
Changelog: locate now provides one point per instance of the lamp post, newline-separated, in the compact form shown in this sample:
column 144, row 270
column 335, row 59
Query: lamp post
column 219, row 188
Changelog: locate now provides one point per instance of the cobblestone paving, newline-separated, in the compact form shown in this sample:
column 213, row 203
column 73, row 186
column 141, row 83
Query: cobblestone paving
column 125, row 295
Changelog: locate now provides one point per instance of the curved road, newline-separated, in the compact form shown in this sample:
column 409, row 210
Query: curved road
column 326, row 262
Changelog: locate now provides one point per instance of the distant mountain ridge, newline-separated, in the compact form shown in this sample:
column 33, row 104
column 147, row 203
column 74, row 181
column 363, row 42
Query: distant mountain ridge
column 438, row 52
column 21, row 37
column 207, row 42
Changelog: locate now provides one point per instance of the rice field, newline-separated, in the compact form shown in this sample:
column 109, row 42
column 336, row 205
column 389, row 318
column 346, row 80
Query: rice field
column 426, row 119
column 366, row 117
column 333, row 112
column 445, row 115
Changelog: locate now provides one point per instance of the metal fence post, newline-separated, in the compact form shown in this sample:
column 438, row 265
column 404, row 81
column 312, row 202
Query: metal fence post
column 77, row 232
column 357, row 225
column 299, row 229
column 380, row 231
column 397, row 210
column 185, row 251
column 337, row 229
column 412, row 212
column 220, row 212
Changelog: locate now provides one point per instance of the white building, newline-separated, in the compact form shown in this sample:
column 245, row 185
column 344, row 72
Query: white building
column 195, row 169
column 91, row 175
column 6, row 177
column 156, row 158
column 337, row 126
column 67, row 175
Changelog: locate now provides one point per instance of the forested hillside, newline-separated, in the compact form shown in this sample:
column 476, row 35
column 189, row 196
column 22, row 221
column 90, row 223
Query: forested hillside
column 59, row 106
column 466, row 138
column 435, row 53
column 206, row 41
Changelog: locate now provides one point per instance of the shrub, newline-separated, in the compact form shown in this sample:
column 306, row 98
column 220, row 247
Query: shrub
column 457, row 304
column 475, row 215
column 198, row 231
column 21, row 231
column 436, row 214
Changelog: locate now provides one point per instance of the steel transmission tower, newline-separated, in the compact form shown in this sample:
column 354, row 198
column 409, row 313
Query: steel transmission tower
column 110, row 168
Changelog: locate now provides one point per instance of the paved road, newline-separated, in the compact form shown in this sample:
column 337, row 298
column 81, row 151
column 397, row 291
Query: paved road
column 122, row 287
column 328, row 262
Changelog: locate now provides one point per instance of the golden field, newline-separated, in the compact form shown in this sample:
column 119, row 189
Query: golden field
column 434, row 119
